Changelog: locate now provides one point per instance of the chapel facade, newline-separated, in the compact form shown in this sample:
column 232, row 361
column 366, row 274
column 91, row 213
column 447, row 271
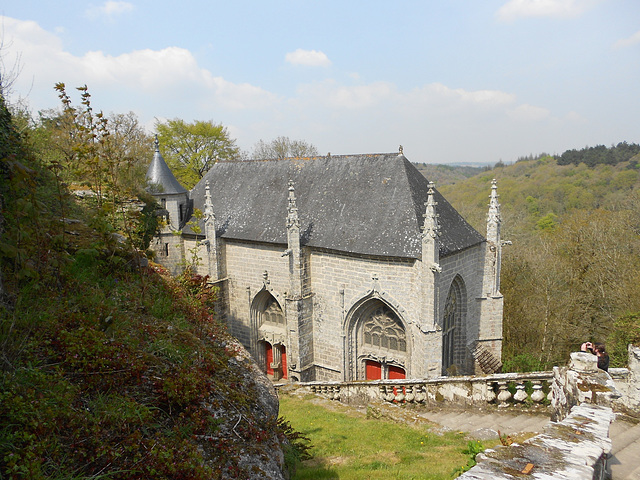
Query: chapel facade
column 349, row 267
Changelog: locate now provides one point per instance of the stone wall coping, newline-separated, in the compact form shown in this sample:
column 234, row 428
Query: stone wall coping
column 575, row 448
column 619, row 373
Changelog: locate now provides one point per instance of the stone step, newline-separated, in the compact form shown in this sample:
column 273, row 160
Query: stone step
column 446, row 419
column 529, row 423
column 453, row 417
column 505, row 423
column 625, row 438
column 625, row 464
column 476, row 422
column 535, row 424
column 492, row 422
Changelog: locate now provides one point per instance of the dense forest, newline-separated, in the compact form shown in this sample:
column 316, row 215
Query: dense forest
column 572, row 272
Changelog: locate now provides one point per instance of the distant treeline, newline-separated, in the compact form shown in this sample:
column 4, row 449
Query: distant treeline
column 600, row 154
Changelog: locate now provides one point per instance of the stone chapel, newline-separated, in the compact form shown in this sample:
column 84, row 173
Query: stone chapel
column 342, row 267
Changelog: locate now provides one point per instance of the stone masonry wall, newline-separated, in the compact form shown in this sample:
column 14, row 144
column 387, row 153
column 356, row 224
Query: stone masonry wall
column 469, row 264
column 245, row 265
column 336, row 284
column 169, row 251
column 633, row 381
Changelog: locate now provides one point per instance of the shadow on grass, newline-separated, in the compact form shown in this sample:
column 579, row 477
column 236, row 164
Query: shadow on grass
column 321, row 473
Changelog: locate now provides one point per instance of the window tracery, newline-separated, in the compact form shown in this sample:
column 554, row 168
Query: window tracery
column 383, row 330
column 272, row 314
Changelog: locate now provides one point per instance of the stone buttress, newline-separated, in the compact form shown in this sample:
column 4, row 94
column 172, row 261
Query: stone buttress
column 295, row 302
column 491, row 302
column 430, row 269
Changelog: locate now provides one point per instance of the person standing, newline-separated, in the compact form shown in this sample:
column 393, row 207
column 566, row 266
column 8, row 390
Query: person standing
column 603, row 356
column 598, row 350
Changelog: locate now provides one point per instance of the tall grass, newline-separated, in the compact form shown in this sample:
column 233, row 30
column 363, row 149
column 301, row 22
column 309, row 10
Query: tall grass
column 348, row 444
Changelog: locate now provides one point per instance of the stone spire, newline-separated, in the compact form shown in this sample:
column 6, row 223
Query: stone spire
column 210, row 234
column 431, row 226
column 294, row 299
column 292, row 209
column 430, row 262
column 493, row 218
column 494, row 243
column 208, row 206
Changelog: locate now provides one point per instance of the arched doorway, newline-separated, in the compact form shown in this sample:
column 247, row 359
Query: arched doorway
column 453, row 332
column 377, row 343
column 270, row 326
column 275, row 360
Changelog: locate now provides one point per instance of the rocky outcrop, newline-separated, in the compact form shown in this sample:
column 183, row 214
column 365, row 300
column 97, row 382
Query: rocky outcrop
column 248, row 431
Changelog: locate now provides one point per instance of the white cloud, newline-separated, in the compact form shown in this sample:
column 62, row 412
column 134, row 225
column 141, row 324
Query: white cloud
column 515, row 9
column 109, row 9
column 478, row 97
column 528, row 113
column 309, row 58
column 434, row 121
column 138, row 76
column 627, row 42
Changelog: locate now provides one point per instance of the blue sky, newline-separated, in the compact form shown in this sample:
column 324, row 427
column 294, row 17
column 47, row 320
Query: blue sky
column 452, row 81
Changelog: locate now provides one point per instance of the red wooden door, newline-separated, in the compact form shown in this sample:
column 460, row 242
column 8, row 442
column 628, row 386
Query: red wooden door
column 396, row 373
column 374, row 370
column 283, row 361
column 269, row 357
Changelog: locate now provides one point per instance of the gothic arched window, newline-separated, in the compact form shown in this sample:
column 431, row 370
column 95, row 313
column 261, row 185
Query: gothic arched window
column 272, row 314
column 382, row 329
column 454, row 361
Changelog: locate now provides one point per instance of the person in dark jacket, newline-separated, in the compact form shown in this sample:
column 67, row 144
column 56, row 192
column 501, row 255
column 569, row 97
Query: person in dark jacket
column 598, row 350
column 603, row 356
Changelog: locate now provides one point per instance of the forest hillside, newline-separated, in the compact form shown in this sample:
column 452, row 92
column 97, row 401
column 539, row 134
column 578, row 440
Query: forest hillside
column 572, row 272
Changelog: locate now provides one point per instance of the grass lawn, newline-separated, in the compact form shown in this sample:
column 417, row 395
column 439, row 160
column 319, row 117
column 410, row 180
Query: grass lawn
column 351, row 444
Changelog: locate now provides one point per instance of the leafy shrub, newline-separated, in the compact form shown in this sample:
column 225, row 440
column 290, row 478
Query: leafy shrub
column 474, row 447
column 297, row 446
column 626, row 330
column 522, row 363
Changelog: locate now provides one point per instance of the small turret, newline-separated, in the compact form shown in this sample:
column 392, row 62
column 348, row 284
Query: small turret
column 160, row 178
column 167, row 191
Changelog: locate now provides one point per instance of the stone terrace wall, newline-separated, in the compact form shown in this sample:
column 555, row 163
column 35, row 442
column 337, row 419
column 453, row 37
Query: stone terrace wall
column 627, row 381
column 575, row 448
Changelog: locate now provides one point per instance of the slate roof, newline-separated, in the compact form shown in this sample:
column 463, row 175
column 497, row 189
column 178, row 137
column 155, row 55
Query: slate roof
column 160, row 177
column 363, row 204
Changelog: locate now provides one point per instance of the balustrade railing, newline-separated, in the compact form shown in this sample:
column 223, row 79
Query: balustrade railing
column 503, row 390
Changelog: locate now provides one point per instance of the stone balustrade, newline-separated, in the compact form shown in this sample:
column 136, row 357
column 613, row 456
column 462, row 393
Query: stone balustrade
column 501, row 389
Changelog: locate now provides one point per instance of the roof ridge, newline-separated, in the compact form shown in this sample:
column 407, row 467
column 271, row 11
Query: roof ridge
column 314, row 157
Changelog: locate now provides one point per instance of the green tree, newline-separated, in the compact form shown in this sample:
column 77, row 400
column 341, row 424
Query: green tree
column 283, row 147
column 191, row 149
column 129, row 148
